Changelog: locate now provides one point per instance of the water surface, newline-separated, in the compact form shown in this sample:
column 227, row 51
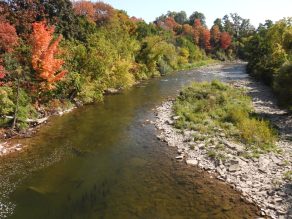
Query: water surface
column 104, row 161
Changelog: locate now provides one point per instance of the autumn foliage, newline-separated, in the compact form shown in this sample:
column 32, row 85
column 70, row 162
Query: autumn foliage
column 98, row 12
column 215, row 34
column 206, row 36
column 225, row 40
column 2, row 72
column 44, row 51
column 8, row 37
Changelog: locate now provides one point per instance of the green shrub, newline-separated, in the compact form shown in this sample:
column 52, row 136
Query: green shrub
column 283, row 85
column 209, row 107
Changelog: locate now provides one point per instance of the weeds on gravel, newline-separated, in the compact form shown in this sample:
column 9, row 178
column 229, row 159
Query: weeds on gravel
column 288, row 175
column 218, row 109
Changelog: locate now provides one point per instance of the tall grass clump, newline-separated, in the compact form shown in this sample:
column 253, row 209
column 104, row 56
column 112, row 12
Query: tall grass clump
column 217, row 108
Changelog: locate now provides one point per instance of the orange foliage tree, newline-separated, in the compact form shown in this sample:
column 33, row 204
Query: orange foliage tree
column 171, row 24
column 99, row 12
column 2, row 72
column 84, row 8
column 43, row 54
column 187, row 29
column 225, row 40
column 206, row 36
column 197, row 30
column 215, row 35
column 8, row 37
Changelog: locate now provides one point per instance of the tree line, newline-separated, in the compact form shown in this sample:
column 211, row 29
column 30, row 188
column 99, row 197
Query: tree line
column 55, row 53
column 269, row 56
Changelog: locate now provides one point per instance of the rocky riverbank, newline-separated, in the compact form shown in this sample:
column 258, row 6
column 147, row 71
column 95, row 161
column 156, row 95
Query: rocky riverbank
column 264, row 181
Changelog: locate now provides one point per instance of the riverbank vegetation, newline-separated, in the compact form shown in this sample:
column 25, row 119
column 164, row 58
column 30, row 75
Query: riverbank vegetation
column 269, row 56
column 218, row 109
column 54, row 54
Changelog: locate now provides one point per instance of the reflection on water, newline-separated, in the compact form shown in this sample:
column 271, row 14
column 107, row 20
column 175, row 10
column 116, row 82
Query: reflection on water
column 102, row 161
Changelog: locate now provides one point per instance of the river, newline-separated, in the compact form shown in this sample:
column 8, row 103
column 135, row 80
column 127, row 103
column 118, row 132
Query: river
column 104, row 161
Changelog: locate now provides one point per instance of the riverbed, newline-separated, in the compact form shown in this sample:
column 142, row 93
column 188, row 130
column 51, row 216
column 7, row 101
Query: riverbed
column 104, row 161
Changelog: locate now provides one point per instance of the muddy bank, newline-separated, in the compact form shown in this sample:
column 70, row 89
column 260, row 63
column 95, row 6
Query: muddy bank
column 260, row 180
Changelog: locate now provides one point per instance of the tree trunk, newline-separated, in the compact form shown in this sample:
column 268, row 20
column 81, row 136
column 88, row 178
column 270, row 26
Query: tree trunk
column 17, row 105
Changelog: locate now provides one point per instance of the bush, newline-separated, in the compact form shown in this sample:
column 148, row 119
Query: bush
column 283, row 85
column 209, row 107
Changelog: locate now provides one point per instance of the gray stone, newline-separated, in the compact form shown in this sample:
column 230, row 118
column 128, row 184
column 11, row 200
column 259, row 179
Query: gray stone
column 176, row 117
column 234, row 146
column 180, row 157
column 192, row 162
column 234, row 168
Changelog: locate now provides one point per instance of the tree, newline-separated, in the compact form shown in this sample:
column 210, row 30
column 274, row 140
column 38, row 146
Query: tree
column 181, row 17
column 8, row 37
column 103, row 12
column 84, row 8
column 187, row 29
column 218, row 22
column 228, row 25
column 215, row 35
column 206, row 36
column 98, row 12
column 171, row 24
column 23, row 13
column 59, row 13
column 225, row 40
column 197, row 29
column 44, row 51
column 2, row 71
column 197, row 15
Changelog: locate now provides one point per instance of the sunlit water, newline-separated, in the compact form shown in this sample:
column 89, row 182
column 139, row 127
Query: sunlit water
column 102, row 161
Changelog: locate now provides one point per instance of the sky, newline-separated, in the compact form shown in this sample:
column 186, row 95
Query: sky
column 256, row 10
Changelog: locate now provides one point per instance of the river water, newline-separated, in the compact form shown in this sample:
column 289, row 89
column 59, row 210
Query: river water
column 103, row 161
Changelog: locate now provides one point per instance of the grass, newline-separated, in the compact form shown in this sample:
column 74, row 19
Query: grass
column 218, row 109
column 288, row 175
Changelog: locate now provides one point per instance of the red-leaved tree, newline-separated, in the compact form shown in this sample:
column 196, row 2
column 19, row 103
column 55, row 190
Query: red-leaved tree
column 197, row 30
column 206, row 37
column 225, row 40
column 2, row 72
column 44, row 51
column 84, row 8
column 171, row 24
column 8, row 37
column 99, row 12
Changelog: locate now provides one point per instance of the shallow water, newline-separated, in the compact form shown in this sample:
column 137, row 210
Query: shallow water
column 103, row 161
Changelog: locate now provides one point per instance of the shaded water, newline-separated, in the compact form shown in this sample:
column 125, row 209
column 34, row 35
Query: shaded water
column 102, row 161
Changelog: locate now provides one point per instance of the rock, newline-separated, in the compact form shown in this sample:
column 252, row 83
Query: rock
column 234, row 168
column 176, row 117
column 112, row 91
column 234, row 146
column 221, row 172
column 180, row 157
column 263, row 164
column 192, row 162
column 222, row 134
column 276, row 160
